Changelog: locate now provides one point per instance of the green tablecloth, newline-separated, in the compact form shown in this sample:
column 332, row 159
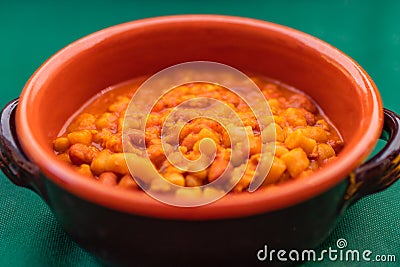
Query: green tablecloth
column 30, row 32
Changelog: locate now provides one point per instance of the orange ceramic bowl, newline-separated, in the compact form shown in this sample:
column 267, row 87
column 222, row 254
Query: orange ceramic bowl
column 120, row 226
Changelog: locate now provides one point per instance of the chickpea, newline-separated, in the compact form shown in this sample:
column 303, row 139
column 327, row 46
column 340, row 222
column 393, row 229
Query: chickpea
column 82, row 154
column 85, row 170
column 80, row 137
column 316, row 133
column 298, row 139
column 120, row 105
column 207, row 133
column 107, row 161
column 195, row 192
column 175, row 178
column 323, row 124
column 272, row 131
column 296, row 161
column 192, row 180
column 301, row 101
column 200, row 174
column 279, row 120
column 107, row 120
column 158, row 185
column 101, row 137
column 114, row 143
column 246, row 179
column 278, row 167
column 274, row 105
column 239, row 155
column 255, row 144
column 189, row 141
column 84, row 121
column 127, row 182
column 280, row 149
column 156, row 154
column 211, row 192
column 108, row 178
column 217, row 168
column 325, row 151
column 294, row 117
column 64, row 157
column 120, row 124
column 61, row 144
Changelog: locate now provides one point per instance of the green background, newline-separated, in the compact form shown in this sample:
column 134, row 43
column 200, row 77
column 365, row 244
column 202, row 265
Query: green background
column 30, row 32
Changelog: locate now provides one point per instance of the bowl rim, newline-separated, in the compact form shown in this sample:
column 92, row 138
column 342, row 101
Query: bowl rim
column 232, row 205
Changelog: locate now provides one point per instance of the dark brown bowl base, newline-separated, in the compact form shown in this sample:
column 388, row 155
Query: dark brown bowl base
column 130, row 240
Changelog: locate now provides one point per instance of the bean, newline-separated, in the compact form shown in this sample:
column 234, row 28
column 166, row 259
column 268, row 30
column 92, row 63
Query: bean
column 278, row 167
column 84, row 121
column 107, row 161
column 107, row 120
column 82, row 154
column 108, row 178
column 296, row 161
column 216, row 169
column 325, row 151
column 298, row 139
column 80, row 137
column 294, row 117
column 85, row 170
column 127, row 182
column 175, row 178
column 61, row 144
column 192, row 180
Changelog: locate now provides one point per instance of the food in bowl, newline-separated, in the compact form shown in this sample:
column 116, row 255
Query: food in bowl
column 125, row 227
column 305, row 139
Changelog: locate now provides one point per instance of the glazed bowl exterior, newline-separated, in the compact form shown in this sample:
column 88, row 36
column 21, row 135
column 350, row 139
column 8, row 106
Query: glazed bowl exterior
column 128, row 228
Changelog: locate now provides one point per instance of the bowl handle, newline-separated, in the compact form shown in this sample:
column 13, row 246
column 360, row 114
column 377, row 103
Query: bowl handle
column 383, row 169
column 13, row 162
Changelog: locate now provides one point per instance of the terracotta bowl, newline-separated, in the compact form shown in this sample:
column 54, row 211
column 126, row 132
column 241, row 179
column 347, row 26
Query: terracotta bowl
column 131, row 227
